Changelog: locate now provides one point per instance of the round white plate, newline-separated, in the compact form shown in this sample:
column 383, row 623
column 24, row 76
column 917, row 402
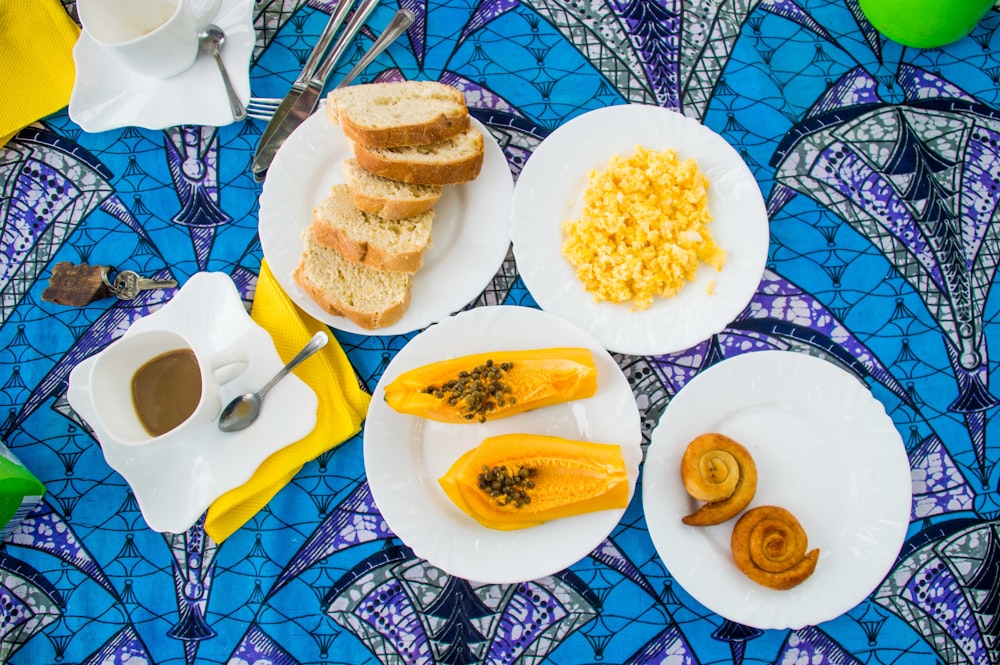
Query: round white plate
column 405, row 455
column 469, row 238
column 174, row 483
column 825, row 450
column 107, row 94
column 550, row 191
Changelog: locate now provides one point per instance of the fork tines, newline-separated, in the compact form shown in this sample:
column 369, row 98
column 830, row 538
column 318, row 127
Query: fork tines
column 262, row 108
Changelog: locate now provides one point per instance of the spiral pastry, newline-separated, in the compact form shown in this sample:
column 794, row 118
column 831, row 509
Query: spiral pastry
column 721, row 472
column 769, row 546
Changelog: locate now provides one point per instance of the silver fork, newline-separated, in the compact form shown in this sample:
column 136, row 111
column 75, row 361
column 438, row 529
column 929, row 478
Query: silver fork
column 262, row 108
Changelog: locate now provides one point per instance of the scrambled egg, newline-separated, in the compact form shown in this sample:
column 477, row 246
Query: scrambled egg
column 643, row 230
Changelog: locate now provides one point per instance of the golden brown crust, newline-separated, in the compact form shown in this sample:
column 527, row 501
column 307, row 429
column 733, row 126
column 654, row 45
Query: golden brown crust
column 357, row 110
column 391, row 209
column 449, row 172
column 720, row 471
column 359, row 251
column 440, row 128
column 769, row 546
column 367, row 320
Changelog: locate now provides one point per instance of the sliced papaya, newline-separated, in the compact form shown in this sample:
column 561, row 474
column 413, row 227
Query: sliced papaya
column 487, row 386
column 515, row 481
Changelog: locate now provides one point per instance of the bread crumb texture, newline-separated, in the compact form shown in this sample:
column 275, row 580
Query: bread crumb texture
column 643, row 230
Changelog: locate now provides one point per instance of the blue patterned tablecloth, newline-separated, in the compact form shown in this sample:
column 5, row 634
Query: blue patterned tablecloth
column 880, row 166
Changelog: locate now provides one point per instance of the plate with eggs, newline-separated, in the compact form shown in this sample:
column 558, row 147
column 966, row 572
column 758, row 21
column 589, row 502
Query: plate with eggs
column 640, row 225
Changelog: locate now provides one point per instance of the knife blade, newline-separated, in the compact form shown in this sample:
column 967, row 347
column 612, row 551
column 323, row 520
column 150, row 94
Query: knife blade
column 306, row 100
column 261, row 160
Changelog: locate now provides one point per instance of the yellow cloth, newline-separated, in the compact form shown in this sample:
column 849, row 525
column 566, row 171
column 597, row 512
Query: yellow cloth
column 36, row 62
column 342, row 407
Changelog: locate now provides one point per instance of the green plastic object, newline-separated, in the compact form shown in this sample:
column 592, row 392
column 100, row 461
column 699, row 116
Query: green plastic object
column 20, row 492
column 925, row 23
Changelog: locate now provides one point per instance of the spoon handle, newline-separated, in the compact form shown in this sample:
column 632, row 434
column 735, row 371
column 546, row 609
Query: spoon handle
column 239, row 112
column 317, row 342
column 399, row 23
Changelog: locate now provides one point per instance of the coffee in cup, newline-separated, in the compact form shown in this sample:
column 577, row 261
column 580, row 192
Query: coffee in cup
column 155, row 386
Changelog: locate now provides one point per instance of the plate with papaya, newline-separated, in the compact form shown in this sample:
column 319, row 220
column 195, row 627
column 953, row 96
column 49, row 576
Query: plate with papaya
column 502, row 444
column 777, row 489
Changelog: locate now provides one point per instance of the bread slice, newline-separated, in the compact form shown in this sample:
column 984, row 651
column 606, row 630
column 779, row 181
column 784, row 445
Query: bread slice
column 368, row 297
column 389, row 199
column 361, row 237
column 380, row 115
column 452, row 161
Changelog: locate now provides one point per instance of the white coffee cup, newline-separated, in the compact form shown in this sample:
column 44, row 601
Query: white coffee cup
column 154, row 38
column 113, row 372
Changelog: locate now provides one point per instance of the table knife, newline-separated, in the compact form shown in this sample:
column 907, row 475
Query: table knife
column 306, row 100
column 300, row 84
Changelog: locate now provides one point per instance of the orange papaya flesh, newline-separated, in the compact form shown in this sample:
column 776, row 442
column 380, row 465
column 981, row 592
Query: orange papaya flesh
column 535, row 378
column 570, row 478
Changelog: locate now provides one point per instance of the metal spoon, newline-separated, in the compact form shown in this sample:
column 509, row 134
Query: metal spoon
column 398, row 24
column 243, row 410
column 210, row 42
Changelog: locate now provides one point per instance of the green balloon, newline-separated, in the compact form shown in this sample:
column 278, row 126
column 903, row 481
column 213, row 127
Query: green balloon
column 925, row 23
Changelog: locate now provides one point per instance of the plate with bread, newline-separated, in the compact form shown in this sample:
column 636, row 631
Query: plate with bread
column 818, row 498
column 388, row 209
column 590, row 249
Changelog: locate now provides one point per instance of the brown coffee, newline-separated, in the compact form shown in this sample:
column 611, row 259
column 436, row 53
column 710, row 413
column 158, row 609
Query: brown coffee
column 166, row 390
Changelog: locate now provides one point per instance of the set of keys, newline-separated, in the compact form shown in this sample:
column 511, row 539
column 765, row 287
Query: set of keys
column 127, row 284
column 78, row 285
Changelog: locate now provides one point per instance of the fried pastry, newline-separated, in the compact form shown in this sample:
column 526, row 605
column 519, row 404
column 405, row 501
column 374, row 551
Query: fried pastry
column 769, row 546
column 718, row 470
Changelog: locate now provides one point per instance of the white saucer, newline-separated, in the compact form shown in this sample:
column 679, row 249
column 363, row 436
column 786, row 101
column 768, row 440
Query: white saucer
column 106, row 94
column 175, row 483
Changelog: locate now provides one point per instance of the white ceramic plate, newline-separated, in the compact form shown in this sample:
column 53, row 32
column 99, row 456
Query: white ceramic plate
column 550, row 191
column 107, row 94
column 469, row 238
column 174, row 483
column 824, row 449
column 405, row 455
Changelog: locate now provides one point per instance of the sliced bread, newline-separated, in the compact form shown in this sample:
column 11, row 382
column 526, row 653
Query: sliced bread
column 361, row 237
column 368, row 297
column 398, row 113
column 389, row 199
column 455, row 160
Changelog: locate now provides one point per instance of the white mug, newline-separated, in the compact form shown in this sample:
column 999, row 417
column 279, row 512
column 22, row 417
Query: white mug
column 111, row 384
column 154, row 38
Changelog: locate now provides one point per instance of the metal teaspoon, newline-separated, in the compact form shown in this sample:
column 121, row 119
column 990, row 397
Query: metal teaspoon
column 243, row 410
column 210, row 42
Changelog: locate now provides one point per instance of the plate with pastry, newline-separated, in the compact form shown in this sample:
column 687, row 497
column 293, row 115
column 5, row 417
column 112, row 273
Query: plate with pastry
column 387, row 209
column 546, row 411
column 642, row 226
column 777, row 490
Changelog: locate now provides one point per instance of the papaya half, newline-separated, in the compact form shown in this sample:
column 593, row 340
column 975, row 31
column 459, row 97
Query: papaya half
column 515, row 481
column 486, row 386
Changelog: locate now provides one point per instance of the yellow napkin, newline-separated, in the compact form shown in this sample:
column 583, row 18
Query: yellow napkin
column 36, row 62
column 342, row 407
